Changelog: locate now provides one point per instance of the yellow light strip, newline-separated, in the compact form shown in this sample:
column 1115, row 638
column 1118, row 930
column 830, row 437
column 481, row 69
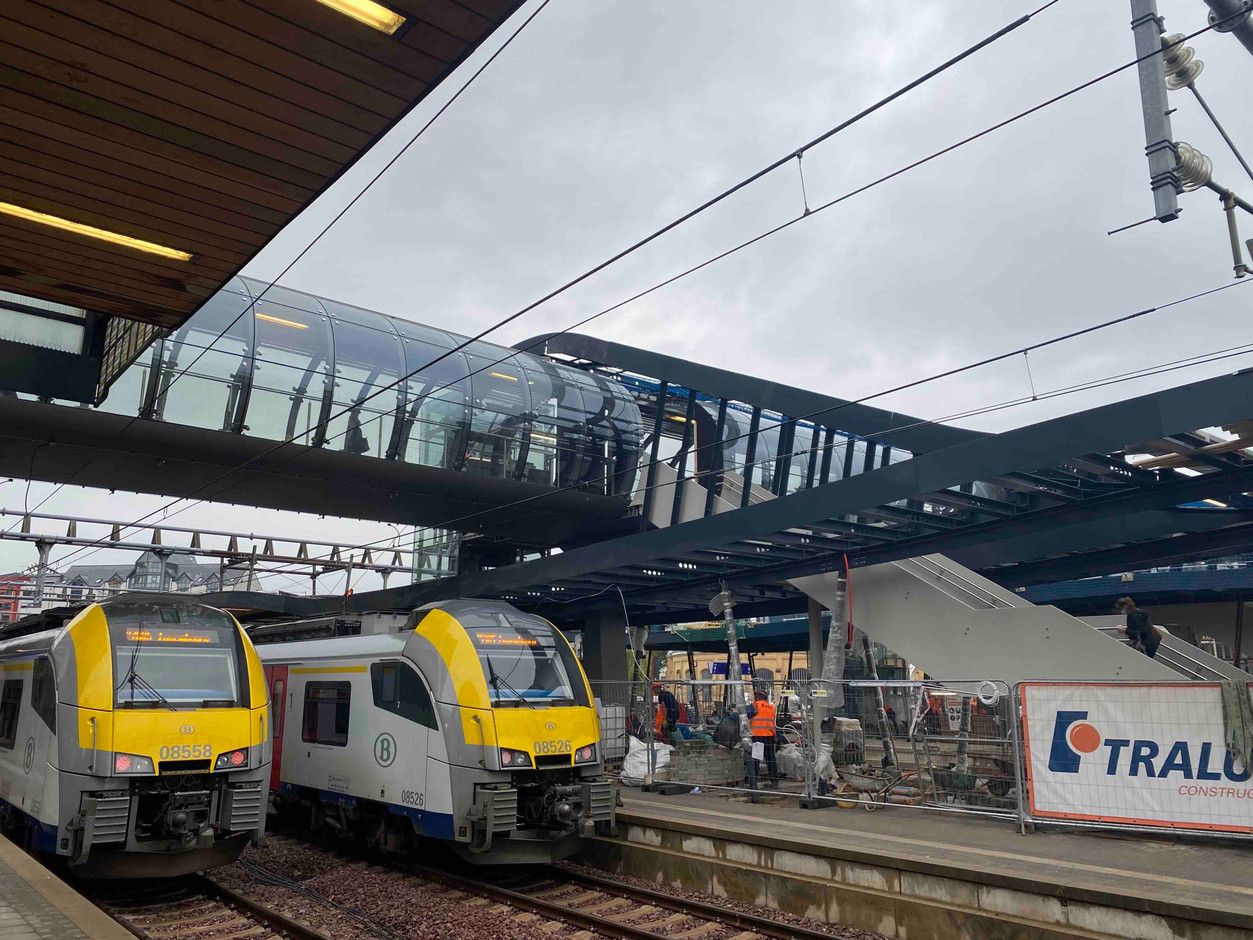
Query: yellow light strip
column 30, row 215
column 501, row 375
column 368, row 12
column 281, row 322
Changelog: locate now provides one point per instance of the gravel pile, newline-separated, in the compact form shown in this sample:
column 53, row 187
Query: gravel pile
column 742, row 907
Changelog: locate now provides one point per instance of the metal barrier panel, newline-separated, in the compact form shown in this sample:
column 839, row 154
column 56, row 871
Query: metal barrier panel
column 949, row 746
column 1175, row 755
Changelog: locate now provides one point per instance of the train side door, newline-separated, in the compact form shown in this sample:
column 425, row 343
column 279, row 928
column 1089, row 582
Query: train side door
column 276, row 679
column 400, row 736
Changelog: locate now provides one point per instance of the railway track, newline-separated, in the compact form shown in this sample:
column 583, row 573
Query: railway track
column 589, row 904
column 195, row 906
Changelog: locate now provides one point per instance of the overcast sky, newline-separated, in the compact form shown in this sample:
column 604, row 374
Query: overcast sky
column 604, row 120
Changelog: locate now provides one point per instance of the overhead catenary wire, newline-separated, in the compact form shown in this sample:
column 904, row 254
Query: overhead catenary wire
column 887, row 432
column 826, row 412
column 839, row 199
column 603, row 265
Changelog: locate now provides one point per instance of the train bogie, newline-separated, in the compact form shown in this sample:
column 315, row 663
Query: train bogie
column 474, row 725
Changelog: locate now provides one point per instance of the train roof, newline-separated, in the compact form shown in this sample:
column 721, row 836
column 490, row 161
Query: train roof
column 339, row 647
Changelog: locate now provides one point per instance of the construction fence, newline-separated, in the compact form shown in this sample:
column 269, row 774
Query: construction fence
column 1082, row 754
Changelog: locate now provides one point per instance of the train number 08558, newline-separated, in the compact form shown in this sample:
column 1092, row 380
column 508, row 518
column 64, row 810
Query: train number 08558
column 185, row 751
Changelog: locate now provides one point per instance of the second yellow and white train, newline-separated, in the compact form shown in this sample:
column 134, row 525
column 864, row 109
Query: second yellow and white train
column 474, row 724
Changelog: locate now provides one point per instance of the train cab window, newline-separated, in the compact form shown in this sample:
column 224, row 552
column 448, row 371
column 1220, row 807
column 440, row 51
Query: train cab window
column 326, row 713
column 10, row 705
column 43, row 693
column 398, row 689
column 524, row 659
column 176, row 654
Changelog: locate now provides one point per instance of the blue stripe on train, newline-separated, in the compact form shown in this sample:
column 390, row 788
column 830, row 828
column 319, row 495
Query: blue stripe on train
column 43, row 836
column 434, row 825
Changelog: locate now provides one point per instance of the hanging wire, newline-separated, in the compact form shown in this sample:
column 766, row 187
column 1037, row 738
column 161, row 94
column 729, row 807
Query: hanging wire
column 800, row 168
column 1030, row 378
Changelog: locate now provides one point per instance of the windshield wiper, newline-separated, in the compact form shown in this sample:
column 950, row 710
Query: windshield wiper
column 134, row 679
column 151, row 689
column 497, row 681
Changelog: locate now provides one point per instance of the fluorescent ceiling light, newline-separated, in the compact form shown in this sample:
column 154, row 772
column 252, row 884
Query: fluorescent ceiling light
column 281, row 322
column 30, row 215
column 368, row 12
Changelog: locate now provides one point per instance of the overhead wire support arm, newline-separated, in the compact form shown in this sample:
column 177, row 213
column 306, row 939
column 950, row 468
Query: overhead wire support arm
column 1221, row 130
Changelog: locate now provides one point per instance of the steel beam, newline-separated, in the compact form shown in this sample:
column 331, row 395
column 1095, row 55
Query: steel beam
column 858, row 419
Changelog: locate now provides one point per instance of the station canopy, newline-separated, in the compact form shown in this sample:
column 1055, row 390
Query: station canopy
column 153, row 147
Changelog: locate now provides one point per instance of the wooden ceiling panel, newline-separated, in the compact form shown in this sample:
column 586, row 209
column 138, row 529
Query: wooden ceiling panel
column 203, row 126
column 130, row 197
column 137, row 163
column 453, row 18
column 159, row 70
column 73, row 170
column 105, row 77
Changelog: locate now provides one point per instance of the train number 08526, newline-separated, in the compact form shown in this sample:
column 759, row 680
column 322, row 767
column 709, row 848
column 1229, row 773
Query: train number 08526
column 552, row 747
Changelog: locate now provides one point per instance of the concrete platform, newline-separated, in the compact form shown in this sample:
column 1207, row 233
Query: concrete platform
column 37, row 905
column 908, row 873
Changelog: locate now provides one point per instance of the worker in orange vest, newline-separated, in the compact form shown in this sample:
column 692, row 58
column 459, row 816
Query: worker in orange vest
column 666, row 718
column 761, row 721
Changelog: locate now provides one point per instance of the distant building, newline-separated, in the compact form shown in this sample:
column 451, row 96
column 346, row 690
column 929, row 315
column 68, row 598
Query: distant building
column 183, row 574
column 15, row 589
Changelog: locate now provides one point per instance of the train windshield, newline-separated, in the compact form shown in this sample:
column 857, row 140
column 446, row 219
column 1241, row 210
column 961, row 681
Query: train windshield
column 525, row 661
column 174, row 655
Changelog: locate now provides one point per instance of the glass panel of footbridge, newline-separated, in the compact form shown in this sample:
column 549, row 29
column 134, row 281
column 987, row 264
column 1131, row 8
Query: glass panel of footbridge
column 293, row 373
column 203, row 365
column 558, row 454
column 435, row 428
column 369, row 366
column 500, row 419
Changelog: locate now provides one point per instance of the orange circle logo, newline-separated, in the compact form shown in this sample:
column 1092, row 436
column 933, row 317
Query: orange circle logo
column 1084, row 738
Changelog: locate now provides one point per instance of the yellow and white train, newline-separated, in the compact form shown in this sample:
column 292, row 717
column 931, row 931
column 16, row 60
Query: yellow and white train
column 135, row 738
column 474, row 724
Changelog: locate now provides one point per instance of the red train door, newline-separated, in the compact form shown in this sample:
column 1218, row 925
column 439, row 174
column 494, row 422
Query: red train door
column 276, row 679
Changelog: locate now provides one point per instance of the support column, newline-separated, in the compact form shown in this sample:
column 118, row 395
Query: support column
column 1159, row 140
column 815, row 639
column 41, row 574
column 605, row 646
column 1239, row 638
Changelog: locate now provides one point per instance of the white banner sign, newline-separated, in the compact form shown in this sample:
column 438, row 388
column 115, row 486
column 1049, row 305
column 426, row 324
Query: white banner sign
column 1150, row 755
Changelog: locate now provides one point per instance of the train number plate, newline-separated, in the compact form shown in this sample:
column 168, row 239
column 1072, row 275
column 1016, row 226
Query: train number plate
column 552, row 747
column 185, row 751
column 413, row 798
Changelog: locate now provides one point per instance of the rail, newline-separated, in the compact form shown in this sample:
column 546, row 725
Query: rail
column 194, row 906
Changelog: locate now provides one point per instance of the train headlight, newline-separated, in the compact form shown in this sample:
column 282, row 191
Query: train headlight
column 585, row 755
column 510, row 758
column 232, row 760
column 132, row 764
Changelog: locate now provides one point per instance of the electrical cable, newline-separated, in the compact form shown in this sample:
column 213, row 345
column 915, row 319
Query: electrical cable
column 695, row 476
column 826, row 412
column 1173, row 365
column 1246, row 349
column 934, row 155
column 592, row 271
column 1117, row 379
